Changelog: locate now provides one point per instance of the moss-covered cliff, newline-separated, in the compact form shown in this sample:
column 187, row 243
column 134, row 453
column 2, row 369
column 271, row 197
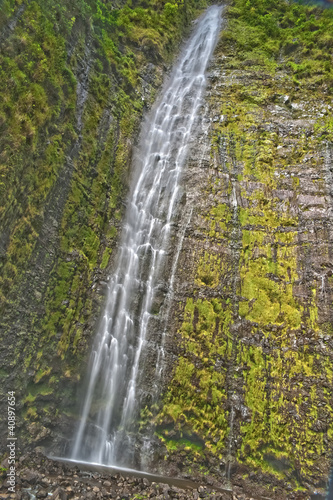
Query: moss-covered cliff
column 75, row 79
column 251, row 393
column 248, row 396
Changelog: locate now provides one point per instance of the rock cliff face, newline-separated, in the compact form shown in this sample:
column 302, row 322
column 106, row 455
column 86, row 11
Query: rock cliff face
column 250, row 397
column 75, row 79
column 248, row 385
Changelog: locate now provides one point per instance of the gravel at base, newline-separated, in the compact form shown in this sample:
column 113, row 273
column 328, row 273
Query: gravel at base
column 39, row 477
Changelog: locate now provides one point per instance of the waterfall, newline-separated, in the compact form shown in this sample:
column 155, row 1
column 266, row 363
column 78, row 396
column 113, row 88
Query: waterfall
column 118, row 360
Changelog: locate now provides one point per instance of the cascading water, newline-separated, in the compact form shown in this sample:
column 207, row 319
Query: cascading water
column 112, row 399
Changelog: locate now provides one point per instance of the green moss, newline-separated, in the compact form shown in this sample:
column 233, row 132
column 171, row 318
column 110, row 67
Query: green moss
column 38, row 111
column 196, row 398
column 248, row 270
column 180, row 444
column 41, row 374
column 29, row 399
column 281, row 426
column 32, row 413
column 219, row 217
column 267, row 29
column 64, row 179
column 209, row 270
column 267, row 276
column 36, row 388
column 3, row 373
column 253, row 258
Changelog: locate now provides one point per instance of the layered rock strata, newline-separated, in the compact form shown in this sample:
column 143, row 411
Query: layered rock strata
column 250, row 398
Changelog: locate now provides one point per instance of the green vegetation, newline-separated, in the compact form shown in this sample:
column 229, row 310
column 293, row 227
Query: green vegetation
column 283, row 35
column 294, row 38
column 38, row 113
column 275, row 63
column 196, row 401
column 254, row 331
column 75, row 77
column 209, row 270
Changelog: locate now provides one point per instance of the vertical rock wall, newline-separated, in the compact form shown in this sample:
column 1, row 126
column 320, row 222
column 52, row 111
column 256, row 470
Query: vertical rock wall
column 75, row 80
column 250, row 397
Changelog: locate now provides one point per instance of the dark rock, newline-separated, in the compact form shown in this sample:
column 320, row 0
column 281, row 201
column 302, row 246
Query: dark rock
column 29, row 476
column 41, row 493
column 59, row 494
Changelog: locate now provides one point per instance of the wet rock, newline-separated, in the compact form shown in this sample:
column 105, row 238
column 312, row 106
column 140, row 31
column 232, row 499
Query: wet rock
column 29, row 476
column 59, row 494
column 41, row 493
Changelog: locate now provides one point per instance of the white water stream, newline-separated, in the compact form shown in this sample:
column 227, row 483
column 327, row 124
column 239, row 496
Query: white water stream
column 112, row 400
